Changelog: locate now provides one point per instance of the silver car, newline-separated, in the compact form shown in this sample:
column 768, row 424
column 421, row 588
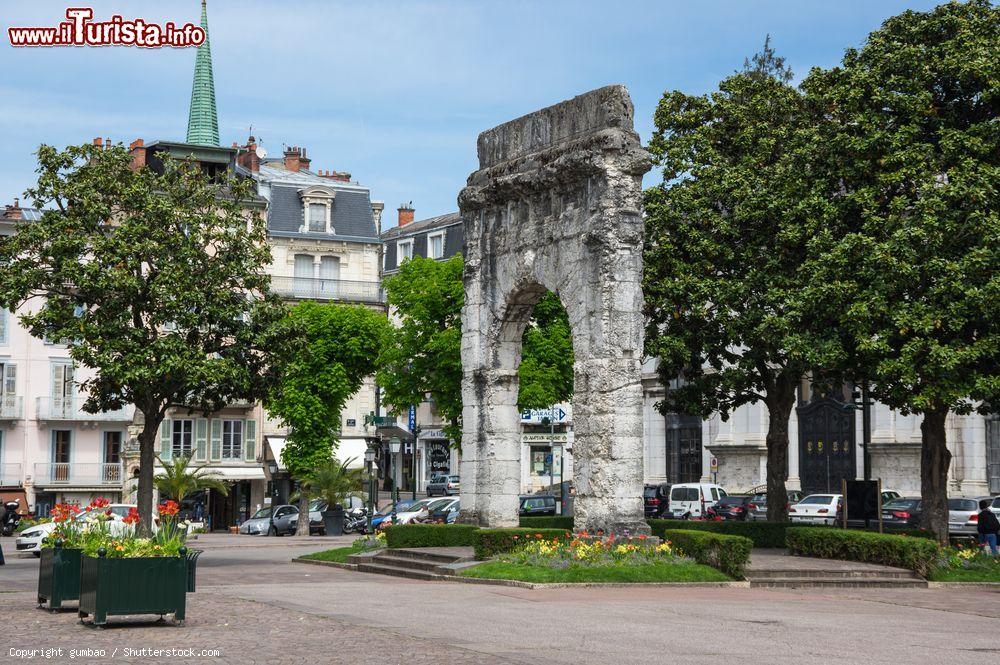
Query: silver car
column 261, row 523
column 444, row 485
column 963, row 516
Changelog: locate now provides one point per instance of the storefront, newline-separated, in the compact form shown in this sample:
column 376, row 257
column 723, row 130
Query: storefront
column 546, row 459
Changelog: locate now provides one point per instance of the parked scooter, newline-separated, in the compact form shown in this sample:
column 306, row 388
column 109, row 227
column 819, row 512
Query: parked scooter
column 11, row 518
column 356, row 521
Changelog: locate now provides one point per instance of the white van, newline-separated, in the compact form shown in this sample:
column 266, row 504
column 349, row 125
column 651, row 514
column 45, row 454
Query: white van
column 691, row 499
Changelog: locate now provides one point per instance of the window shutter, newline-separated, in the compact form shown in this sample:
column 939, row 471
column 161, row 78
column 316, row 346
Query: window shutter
column 165, row 439
column 4, row 318
column 250, row 441
column 10, row 380
column 216, row 440
column 201, row 440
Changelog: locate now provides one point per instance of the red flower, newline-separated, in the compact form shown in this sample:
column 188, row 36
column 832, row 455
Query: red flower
column 132, row 517
column 169, row 508
column 99, row 502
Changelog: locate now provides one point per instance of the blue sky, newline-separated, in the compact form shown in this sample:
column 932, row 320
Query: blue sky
column 394, row 91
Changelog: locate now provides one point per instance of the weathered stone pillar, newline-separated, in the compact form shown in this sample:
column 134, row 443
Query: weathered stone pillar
column 556, row 204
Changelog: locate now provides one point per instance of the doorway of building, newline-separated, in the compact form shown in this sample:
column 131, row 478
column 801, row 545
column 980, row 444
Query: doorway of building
column 826, row 445
column 229, row 510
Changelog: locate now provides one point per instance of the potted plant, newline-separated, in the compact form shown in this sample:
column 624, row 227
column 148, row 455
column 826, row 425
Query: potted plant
column 121, row 573
column 59, row 565
column 333, row 482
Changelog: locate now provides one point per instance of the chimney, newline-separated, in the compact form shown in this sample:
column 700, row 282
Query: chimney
column 138, row 150
column 303, row 160
column 14, row 211
column 377, row 208
column 99, row 141
column 293, row 159
column 405, row 211
column 107, row 144
column 339, row 176
column 247, row 156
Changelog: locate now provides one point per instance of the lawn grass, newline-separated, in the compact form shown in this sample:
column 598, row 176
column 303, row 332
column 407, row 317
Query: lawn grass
column 653, row 572
column 337, row 554
column 965, row 575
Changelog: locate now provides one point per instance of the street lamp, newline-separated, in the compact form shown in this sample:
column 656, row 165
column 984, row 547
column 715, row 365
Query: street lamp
column 394, row 445
column 369, row 458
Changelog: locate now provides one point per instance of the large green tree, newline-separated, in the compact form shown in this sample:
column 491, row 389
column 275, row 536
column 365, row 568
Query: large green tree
column 339, row 346
column 424, row 353
column 727, row 238
column 156, row 282
column 914, row 139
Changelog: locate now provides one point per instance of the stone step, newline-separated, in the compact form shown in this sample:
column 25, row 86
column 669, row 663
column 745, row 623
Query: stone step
column 838, row 583
column 830, row 574
column 381, row 569
column 438, row 556
column 410, row 563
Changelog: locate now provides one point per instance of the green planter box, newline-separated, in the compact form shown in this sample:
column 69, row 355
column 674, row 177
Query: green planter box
column 58, row 576
column 150, row 585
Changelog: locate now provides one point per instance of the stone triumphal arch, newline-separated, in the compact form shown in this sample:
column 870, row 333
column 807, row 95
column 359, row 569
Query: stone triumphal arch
column 556, row 205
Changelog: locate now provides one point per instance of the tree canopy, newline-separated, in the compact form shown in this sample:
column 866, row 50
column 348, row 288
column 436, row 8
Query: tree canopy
column 915, row 144
column 155, row 281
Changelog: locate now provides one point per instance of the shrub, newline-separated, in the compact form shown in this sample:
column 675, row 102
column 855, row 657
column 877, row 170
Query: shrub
column 430, row 535
column 763, row 534
column 491, row 542
column 917, row 554
column 730, row 554
column 556, row 522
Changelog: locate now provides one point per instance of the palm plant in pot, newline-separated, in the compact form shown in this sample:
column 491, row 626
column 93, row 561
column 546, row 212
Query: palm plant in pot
column 333, row 482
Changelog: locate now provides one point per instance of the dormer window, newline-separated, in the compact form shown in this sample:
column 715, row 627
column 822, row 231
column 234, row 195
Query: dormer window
column 317, row 209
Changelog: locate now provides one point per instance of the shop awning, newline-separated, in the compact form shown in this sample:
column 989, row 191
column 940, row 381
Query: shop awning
column 276, row 444
column 237, row 472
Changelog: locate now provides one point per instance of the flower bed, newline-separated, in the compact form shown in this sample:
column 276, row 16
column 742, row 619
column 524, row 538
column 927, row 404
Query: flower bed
column 966, row 563
column 584, row 550
column 489, row 543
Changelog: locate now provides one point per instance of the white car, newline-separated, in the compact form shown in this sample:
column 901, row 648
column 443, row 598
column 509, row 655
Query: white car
column 689, row 500
column 817, row 509
column 420, row 510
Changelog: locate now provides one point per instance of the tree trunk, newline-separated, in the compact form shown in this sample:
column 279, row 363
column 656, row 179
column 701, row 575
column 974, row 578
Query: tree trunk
column 302, row 529
column 147, row 447
column 779, row 407
column 935, row 458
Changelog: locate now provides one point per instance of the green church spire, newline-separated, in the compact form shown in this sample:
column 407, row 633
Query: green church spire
column 203, row 121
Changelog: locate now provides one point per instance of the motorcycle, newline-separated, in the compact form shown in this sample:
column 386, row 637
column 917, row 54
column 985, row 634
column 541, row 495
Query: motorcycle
column 11, row 518
column 356, row 521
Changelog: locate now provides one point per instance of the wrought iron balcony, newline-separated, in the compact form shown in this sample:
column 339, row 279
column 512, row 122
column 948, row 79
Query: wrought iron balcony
column 312, row 288
column 11, row 407
column 86, row 473
column 10, row 474
column 56, row 408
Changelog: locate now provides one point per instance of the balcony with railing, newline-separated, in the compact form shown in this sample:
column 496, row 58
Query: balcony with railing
column 58, row 408
column 85, row 473
column 11, row 407
column 315, row 288
column 10, row 474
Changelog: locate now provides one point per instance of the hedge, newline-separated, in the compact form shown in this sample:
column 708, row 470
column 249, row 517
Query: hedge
column 557, row 522
column 763, row 534
column 430, row 535
column 917, row 554
column 491, row 542
column 730, row 554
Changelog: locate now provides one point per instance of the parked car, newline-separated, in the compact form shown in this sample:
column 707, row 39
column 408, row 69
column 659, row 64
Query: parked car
column 689, row 500
column 901, row 513
column 889, row 495
column 656, row 500
column 963, row 517
column 817, row 509
column 446, row 513
column 995, row 506
column 416, row 510
column 281, row 524
column 733, row 507
column 537, row 506
column 443, row 485
column 758, row 504
column 386, row 511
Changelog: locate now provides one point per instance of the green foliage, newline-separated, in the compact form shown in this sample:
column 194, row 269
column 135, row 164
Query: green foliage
column 157, row 283
column 763, row 534
column 916, row 153
column 491, row 542
column 730, row 554
column 333, row 481
column 430, row 535
column 917, row 554
column 424, row 351
column 727, row 241
column 340, row 554
column 180, row 479
column 556, row 522
column 338, row 347
column 680, row 571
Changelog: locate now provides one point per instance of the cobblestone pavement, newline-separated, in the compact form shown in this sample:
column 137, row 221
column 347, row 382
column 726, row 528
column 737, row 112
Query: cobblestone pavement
column 253, row 605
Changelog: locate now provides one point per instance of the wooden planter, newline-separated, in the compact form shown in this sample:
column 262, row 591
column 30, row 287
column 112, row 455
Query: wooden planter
column 149, row 585
column 58, row 576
